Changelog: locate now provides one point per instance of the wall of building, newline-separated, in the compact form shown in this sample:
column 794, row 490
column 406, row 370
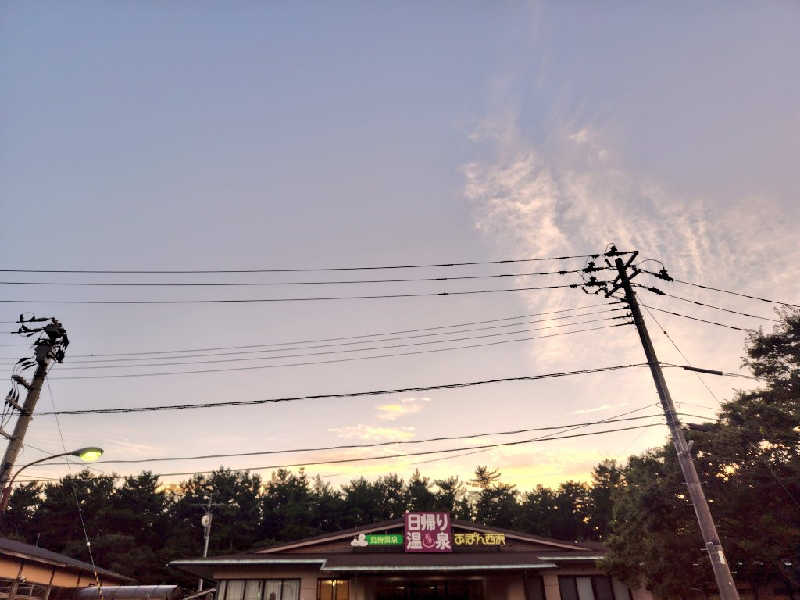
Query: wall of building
column 41, row 573
column 498, row 586
column 308, row 576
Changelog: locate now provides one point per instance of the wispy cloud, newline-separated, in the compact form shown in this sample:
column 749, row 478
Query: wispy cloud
column 406, row 406
column 600, row 408
column 373, row 433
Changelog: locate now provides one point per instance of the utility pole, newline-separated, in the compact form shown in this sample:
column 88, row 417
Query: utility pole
column 205, row 521
column 50, row 346
column 722, row 574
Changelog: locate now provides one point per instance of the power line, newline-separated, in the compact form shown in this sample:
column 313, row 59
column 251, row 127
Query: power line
column 95, row 365
column 561, row 428
column 752, row 444
column 299, row 299
column 675, row 345
column 340, row 360
column 677, row 314
column 382, row 444
column 306, row 269
column 75, row 496
column 402, row 455
column 279, row 283
column 705, row 304
column 366, row 335
column 379, row 392
column 283, row 347
column 724, row 291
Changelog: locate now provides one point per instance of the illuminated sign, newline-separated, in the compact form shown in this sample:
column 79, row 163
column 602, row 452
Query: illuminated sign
column 374, row 539
column 428, row 532
column 479, row 539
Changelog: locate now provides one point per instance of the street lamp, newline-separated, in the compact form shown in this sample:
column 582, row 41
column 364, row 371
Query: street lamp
column 89, row 454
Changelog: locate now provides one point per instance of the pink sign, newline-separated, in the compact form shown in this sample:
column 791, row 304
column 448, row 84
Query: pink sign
column 428, row 532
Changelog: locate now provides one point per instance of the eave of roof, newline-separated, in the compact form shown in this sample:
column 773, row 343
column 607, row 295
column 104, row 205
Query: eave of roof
column 205, row 568
column 23, row 551
column 381, row 562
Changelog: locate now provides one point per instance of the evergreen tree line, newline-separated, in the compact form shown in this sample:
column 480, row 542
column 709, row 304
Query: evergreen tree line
column 136, row 527
column 748, row 461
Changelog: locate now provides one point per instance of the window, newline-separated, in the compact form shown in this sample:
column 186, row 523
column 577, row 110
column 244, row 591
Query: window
column 534, row 586
column 594, row 587
column 333, row 589
column 258, row 589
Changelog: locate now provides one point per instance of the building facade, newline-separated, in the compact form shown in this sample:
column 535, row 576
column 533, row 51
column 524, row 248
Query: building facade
column 420, row 557
column 32, row 573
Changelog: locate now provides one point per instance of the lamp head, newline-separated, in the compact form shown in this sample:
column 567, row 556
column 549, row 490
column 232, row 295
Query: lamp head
column 88, row 454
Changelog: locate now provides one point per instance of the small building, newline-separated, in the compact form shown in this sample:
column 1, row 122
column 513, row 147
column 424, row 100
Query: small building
column 33, row 573
column 420, row 557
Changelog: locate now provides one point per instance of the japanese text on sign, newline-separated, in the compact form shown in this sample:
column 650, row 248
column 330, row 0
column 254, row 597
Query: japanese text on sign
column 428, row 532
column 480, row 539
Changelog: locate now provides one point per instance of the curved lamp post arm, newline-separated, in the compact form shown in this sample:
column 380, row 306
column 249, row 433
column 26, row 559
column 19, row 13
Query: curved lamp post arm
column 81, row 452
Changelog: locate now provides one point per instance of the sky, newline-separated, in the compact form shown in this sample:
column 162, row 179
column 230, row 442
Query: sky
column 284, row 135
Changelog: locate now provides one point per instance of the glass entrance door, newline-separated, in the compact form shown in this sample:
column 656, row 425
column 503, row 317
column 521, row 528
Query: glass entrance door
column 466, row 589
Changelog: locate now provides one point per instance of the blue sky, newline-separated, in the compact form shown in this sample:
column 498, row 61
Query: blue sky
column 202, row 135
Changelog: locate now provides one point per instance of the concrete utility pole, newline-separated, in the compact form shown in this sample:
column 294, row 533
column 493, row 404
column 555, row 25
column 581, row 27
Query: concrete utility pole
column 206, row 522
column 47, row 348
column 24, row 419
column 722, row 574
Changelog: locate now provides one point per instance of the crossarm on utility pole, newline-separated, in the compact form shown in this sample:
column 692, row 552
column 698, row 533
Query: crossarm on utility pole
column 722, row 573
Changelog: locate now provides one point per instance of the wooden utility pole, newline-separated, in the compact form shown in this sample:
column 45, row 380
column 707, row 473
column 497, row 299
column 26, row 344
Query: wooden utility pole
column 722, row 574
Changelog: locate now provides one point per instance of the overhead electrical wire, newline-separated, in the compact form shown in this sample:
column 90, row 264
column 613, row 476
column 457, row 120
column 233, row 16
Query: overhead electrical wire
column 405, row 454
column 561, row 429
column 704, row 304
column 304, row 269
column 279, row 283
column 382, row 444
column 361, row 339
column 282, row 347
column 300, row 299
column 362, row 336
column 341, row 360
column 677, row 314
column 724, row 291
column 96, row 365
column 714, row 396
column 377, row 392
column 683, row 356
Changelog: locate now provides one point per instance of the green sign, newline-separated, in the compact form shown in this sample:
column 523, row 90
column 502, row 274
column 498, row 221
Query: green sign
column 374, row 539
column 389, row 539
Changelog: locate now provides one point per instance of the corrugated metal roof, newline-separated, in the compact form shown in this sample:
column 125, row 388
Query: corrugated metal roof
column 130, row 592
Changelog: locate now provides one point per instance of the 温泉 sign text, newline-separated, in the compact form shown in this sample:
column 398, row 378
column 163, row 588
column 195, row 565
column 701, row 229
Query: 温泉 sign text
column 428, row 532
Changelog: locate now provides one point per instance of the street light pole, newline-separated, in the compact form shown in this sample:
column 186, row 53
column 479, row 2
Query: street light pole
column 89, row 454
